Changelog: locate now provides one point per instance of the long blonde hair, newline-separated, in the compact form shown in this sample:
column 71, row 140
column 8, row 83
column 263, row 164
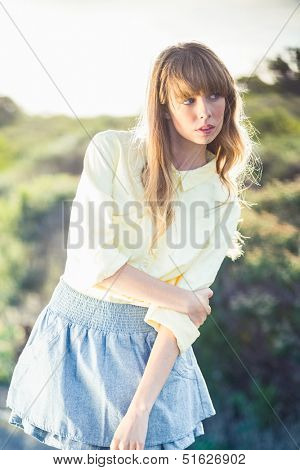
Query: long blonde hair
column 189, row 69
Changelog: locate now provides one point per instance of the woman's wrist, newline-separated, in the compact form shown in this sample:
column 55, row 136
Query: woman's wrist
column 139, row 407
column 183, row 300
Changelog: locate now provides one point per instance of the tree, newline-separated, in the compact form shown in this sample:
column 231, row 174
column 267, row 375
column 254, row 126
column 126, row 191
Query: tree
column 9, row 111
column 287, row 73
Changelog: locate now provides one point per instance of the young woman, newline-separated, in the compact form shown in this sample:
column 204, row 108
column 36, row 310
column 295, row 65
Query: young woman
column 109, row 362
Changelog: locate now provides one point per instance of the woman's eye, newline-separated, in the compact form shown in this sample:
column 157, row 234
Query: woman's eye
column 216, row 95
column 188, row 100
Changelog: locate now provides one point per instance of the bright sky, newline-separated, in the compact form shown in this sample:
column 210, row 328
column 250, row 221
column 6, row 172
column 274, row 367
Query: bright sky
column 94, row 56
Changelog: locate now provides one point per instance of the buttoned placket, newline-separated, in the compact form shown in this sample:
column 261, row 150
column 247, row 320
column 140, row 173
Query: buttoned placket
column 183, row 181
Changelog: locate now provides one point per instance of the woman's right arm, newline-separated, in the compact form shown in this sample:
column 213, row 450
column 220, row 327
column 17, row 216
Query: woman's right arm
column 138, row 284
column 180, row 310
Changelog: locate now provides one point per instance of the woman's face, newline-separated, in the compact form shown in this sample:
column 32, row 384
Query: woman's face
column 191, row 114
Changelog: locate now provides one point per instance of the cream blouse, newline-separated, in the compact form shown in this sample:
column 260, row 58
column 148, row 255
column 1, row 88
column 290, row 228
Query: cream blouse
column 109, row 227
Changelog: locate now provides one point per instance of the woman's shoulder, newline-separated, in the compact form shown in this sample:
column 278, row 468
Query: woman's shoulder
column 112, row 135
column 116, row 140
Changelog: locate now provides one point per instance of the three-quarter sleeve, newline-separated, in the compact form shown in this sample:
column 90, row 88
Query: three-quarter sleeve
column 92, row 241
column 224, row 241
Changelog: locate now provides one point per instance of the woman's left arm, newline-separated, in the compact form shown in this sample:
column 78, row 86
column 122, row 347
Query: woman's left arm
column 131, row 432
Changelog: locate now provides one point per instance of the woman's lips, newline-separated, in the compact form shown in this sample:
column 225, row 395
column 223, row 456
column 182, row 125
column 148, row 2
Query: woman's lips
column 205, row 131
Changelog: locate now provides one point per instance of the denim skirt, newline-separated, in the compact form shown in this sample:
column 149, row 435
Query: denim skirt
column 79, row 370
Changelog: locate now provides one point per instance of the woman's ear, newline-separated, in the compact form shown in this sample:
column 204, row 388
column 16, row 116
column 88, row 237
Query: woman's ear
column 165, row 110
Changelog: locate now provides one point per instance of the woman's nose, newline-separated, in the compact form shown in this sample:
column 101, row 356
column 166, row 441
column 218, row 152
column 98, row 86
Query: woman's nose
column 203, row 109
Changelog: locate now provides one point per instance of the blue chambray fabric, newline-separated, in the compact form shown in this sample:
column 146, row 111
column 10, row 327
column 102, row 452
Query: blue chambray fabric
column 80, row 368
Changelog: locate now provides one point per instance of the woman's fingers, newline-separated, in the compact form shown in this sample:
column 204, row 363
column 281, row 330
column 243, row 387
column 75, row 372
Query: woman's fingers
column 114, row 445
column 132, row 446
column 209, row 295
column 125, row 446
column 202, row 308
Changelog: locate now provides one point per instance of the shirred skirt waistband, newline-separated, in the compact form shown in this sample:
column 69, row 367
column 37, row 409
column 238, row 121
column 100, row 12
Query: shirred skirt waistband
column 96, row 313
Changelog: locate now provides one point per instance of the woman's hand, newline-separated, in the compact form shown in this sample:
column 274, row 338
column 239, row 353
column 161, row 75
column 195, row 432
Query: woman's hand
column 199, row 305
column 132, row 430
